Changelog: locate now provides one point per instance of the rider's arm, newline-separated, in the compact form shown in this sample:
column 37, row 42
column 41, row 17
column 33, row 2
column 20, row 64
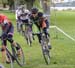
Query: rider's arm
column 47, row 23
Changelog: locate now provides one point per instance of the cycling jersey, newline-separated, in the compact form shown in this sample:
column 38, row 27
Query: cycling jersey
column 35, row 24
column 35, row 20
column 39, row 22
column 25, row 18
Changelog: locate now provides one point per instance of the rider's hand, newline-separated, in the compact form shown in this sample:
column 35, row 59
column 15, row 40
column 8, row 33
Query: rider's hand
column 4, row 35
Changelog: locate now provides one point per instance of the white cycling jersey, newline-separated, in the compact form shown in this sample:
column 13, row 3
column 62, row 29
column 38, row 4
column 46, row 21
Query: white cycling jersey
column 23, row 16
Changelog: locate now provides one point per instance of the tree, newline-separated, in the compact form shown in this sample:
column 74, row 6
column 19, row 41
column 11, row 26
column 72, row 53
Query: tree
column 4, row 2
column 29, row 3
column 11, row 4
column 46, row 7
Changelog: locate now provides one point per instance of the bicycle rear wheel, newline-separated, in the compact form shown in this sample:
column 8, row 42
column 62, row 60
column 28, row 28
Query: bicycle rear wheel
column 20, row 59
column 28, row 37
column 9, row 56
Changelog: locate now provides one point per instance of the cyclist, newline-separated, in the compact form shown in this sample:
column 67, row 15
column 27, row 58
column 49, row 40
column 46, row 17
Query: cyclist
column 19, row 12
column 24, row 18
column 7, row 34
column 40, row 22
column 18, row 22
column 44, row 24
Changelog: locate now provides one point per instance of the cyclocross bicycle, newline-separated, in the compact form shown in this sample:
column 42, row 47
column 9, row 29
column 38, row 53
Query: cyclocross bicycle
column 44, row 46
column 13, row 56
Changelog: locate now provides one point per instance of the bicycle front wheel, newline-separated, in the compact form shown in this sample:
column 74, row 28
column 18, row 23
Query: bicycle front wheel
column 46, row 55
column 20, row 59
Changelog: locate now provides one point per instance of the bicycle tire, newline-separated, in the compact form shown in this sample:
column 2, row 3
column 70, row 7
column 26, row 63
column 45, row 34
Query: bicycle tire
column 9, row 56
column 45, row 50
column 19, row 59
column 46, row 56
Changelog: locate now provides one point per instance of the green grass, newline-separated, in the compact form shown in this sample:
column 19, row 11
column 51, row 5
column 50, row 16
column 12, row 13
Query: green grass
column 63, row 49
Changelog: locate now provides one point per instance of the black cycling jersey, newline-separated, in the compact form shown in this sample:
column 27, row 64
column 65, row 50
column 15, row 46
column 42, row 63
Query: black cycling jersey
column 35, row 21
column 38, row 21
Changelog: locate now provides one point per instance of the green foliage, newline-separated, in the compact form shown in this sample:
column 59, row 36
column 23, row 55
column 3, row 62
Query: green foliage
column 22, row 2
column 3, row 1
column 37, row 4
column 11, row 2
column 29, row 0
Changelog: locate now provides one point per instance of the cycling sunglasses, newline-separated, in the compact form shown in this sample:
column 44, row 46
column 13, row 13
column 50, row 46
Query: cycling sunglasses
column 34, row 13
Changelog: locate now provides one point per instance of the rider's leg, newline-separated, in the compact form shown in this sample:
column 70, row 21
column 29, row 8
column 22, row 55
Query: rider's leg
column 21, row 27
column 39, row 37
column 13, row 43
column 30, row 33
column 17, row 24
column 9, row 38
column 3, row 50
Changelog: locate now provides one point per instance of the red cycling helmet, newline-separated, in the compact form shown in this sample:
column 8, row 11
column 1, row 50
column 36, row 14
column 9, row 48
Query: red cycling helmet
column 2, row 18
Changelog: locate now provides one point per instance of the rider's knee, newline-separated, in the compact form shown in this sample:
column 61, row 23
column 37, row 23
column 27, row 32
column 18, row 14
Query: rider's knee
column 3, row 48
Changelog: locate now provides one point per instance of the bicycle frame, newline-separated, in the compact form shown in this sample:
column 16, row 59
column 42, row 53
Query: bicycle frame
column 13, row 55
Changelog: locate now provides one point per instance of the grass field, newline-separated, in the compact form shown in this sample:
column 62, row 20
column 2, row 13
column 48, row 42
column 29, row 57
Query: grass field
column 63, row 49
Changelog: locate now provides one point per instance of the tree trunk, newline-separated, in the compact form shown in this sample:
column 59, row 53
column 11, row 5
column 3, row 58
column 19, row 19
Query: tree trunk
column 4, row 3
column 46, row 7
column 11, row 4
column 29, row 4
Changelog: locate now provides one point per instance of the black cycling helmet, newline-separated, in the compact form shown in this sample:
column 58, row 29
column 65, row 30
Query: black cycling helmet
column 34, row 10
column 40, row 14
